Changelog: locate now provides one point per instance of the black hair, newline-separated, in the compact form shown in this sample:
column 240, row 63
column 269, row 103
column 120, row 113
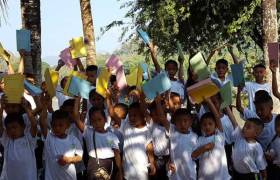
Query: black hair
column 222, row 61
column 68, row 103
column 60, row 115
column 14, row 118
column 170, row 62
column 207, row 115
column 135, row 105
column 262, row 96
column 172, row 94
column 113, row 78
column 94, row 109
column 259, row 123
column 259, row 66
column 93, row 92
column 180, row 112
column 91, row 68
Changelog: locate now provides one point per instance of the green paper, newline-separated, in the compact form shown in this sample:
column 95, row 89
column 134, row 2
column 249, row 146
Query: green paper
column 226, row 93
column 180, row 50
column 199, row 66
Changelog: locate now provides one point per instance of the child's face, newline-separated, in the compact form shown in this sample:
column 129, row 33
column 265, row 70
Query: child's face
column 59, row 127
column 171, row 69
column 208, row 126
column 136, row 119
column 97, row 101
column 183, row 123
column 259, row 74
column 263, row 110
column 221, row 70
column 249, row 130
column 120, row 112
column 98, row 121
column 176, row 102
column 14, row 130
column 91, row 77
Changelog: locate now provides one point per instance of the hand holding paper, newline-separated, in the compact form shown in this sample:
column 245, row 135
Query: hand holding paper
column 24, row 40
column 78, row 48
column 14, row 88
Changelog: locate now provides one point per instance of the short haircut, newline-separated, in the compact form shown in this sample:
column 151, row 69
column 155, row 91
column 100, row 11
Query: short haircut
column 135, row 105
column 222, row 61
column 122, row 106
column 170, row 62
column 93, row 110
column 260, row 65
column 68, row 103
column 14, row 118
column 180, row 112
column 60, row 115
column 259, row 123
column 207, row 115
column 262, row 97
column 93, row 92
column 91, row 68
column 174, row 94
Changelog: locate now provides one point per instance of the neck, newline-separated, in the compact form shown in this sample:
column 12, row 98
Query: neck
column 250, row 140
column 100, row 130
column 268, row 119
column 222, row 78
column 61, row 136
column 260, row 81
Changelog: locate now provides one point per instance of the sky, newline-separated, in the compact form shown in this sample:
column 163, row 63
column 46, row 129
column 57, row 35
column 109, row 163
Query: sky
column 61, row 21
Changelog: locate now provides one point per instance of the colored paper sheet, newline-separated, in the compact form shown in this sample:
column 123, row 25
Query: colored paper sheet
column 113, row 63
column 102, row 82
column 121, row 80
column 145, row 68
column 273, row 53
column 158, row 85
column 135, row 78
column 144, row 36
column 203, row 89
column 78, row 48
column 78, row 74
column 226, row 93
column 66, row 57
column 79, row 87
column 199, row 66
column 237, row 72
column 33, row 90
column 4, row 54
column 14, row 88
column 51, row 78
column 24, row 40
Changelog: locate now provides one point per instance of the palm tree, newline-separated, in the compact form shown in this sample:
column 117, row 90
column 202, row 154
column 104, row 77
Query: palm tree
column 3, row 5
column 88, row 31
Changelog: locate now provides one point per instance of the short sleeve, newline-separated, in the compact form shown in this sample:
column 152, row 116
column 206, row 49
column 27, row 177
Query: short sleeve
column 78, row 147
column 260, row 159
column 236, row 134
column 32, row 140
column 114, row 141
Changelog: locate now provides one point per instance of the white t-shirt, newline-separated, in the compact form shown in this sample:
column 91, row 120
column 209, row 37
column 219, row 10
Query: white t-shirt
column 214, row 77
column 247, row 157
column 213, row 164
column 178, row 87
column 119, row 135
column 160, row 139
column 182, row 146
column 251, row 88
column 135, row 159
column 105, row 143
column 268, row 131
column 56, row 147
column 60, row 96
column 19, row 158
column 275, row 146
column 227, row 128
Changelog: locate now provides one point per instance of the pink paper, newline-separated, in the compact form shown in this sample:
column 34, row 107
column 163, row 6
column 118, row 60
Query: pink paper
column 114, row 63
column 121, row 80
column 65, row 56
column 273, row 52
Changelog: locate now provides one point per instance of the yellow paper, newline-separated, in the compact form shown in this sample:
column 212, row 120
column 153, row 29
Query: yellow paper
column 78, row 48
column 78, row 74
column 51, row 78
column 135, row 78
column 4, row 54
column 102, row 82
column 14, row 88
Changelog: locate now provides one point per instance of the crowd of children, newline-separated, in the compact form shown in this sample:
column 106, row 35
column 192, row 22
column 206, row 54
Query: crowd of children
column 103, row 138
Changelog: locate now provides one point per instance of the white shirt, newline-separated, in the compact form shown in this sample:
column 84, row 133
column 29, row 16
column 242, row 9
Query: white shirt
column 182, row 146
column 227, row 128
column 56, row 147
column 214, row 77
column 268, row 131
column 135, row 159
column 119, row 135
column 251, row 88
column 213, row 164
column 275, row 146
column 178, row 87
column 60, row 96
column 160, row 139
column 105, row 143
column 247, row 157
column 19, row 158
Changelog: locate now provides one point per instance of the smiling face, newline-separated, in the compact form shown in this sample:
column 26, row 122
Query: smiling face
column 249, row 130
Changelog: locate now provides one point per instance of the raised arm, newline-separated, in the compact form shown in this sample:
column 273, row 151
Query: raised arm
column 44, row 117
column 231, row 117
column 274, row 80
column 238, row 100
column 161, row 114
column 181, row 69
column 33, row 128
column 154, row 57
column 79, row 123
column 215, row 112
column 60, row 64
column 3, row 102
column 234, row 57
column 80, row 65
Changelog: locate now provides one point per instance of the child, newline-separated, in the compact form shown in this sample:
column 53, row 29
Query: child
column 102, row 145
column 247, row 154
column 91, row 72
column 19, row 147
column 183, row 143
column 264, row 106
column 221, row 73
column 251, row 88
column 210, row 151
column 138, row 149
column 62, row 151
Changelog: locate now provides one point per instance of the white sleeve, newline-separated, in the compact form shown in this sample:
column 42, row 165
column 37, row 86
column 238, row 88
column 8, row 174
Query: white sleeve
column 260, row 159
column 236, row 134
column 123, row 125
column 115, row 141
column 249, row 114
column 32, row 140
column 4, row 139
column 78, row 147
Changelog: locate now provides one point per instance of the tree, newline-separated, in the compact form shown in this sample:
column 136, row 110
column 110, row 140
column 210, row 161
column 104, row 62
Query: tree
column 3, row 5
column 31, row 19
column 88, row 31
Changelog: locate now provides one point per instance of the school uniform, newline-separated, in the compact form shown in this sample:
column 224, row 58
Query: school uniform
column 214, row 77
column 273, row 169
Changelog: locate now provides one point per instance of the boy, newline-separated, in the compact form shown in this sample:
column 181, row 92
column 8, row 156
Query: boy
column 220, row 76
column 91, row 72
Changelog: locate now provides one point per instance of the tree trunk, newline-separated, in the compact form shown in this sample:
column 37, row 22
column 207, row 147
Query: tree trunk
column 88, row 31
column 31, row 19
column 270, row 34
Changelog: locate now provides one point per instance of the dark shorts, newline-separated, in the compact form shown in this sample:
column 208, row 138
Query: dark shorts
column 92, row 167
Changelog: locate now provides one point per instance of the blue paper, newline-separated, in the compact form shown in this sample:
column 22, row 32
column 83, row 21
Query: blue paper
column 33, row 90
column 145, row 69
column 158, row 85
column 144, row 36
column 79, row 87
column 237, row 72
column 24, row 40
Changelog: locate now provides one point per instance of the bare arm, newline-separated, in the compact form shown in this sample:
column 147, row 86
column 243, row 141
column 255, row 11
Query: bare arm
column 234, row 57
column 215, row 112
column 21, row 65
column 231, row 117
column 201, row 150
column 79, row 123
column 274, row 81
column 238, row 101
column 60, row 64
column 154, row 57
column 118, row 160
column 151, row 158
column 43, row 121
column 33, row 129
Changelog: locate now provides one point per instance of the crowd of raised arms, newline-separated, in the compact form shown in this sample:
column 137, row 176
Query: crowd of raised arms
column 168, row 138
